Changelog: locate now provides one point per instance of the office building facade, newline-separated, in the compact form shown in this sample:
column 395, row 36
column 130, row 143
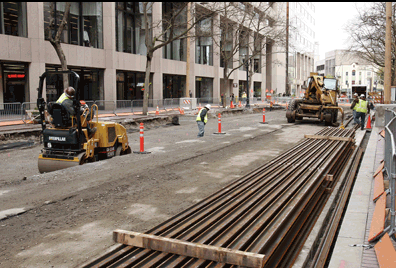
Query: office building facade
column 104, row 43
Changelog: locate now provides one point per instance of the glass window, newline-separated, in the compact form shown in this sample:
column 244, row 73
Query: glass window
column 74, row 23
column 173, row 86
column 243, row 49
column 225, row 46
column 330, row 83
column 176, row 50
column 257, row 67
column 93, row 24
column 85, row 24
column 204, row 89
column 353, row 72
column 204, row 42
column 13, row 18
column 346, row 73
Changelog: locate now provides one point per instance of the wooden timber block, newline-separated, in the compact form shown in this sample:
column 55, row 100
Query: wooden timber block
column 190, row 249
column 386, row 254
column 378, row 221
column 378, row 185
column 380, row 168
column 320, row 137
column 382, row 133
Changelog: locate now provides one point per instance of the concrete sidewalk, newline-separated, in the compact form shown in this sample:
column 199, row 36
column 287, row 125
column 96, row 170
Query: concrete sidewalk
column 350, row 249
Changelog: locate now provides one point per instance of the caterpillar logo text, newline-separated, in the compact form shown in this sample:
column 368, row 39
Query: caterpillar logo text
column 57, row 138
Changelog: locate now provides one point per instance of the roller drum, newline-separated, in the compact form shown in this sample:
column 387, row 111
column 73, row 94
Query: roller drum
column 52, row 164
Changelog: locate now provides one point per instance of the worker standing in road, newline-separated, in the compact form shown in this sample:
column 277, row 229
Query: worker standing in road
column 202, row 119
column 244, row 96
column 362, row 108
column 354, row 102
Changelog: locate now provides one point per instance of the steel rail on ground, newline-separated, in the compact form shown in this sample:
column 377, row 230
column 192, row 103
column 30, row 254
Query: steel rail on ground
column 261, row 212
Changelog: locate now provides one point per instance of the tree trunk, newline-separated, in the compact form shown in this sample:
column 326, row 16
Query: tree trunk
column 146, row 92
column 226, row 82
column 56, row 39
column 62, row 58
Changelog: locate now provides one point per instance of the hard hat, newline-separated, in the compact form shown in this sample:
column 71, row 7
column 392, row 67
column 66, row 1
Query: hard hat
column 70, row 91
column 355, row 94
column 362, row 96
column 207, row 106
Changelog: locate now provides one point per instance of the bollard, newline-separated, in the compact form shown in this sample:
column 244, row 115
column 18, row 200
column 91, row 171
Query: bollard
column 141, row 141
column 219, row 125
column 263, row 117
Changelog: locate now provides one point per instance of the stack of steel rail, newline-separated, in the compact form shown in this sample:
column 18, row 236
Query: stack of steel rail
column 269, row 211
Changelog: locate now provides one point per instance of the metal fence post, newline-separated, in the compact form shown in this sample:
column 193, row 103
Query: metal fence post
column 388, row 145
column 390, row 154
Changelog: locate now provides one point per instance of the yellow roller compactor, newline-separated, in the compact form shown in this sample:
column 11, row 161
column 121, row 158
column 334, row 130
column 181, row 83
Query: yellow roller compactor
column 320, row 101
column 66, row 140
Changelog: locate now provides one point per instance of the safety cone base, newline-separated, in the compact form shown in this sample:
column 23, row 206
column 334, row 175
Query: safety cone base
column 219, row 133
column 263, row 122
column 139, row 152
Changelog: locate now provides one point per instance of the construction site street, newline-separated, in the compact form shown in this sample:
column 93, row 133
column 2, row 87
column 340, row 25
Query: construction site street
column 66, row 218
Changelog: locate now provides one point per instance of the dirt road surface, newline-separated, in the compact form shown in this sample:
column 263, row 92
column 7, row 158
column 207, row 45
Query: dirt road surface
column 66, row 218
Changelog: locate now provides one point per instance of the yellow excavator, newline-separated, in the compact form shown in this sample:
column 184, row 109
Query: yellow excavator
column 66, row 139
column 320, row 101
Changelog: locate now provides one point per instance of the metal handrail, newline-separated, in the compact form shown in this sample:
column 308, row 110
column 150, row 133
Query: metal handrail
column 390, row 162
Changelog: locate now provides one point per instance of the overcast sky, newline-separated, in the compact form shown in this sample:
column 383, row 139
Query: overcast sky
column 331, row 19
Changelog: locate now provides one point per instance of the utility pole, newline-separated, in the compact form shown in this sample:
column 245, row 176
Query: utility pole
column 287, row 49
column 188, row 87
column 387, row 74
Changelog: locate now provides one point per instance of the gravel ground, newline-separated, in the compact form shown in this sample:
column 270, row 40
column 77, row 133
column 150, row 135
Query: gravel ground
column 66, row 218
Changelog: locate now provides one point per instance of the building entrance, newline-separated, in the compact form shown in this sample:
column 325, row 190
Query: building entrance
column 13, row 82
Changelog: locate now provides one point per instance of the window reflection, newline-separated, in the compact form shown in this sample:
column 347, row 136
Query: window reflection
column 85, row 23
column 131, row 27
column 13, row 18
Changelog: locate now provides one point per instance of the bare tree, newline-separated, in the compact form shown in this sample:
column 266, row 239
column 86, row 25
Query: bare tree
column 54, row 32
column 367, row 35
column 174, row 25
column 247, row 29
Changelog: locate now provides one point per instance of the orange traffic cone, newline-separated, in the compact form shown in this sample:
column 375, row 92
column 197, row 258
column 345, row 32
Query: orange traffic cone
column 368, row 126
column 239, row 105
column 157, row 111
column 232, row 105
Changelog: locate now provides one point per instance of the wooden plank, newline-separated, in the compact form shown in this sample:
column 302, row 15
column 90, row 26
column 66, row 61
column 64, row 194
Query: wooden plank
column 382, row 133
column 378, row 185
column 386, row 254
column 378, row 221
column 380, row 168
column 184, row 248
column 328, row 138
